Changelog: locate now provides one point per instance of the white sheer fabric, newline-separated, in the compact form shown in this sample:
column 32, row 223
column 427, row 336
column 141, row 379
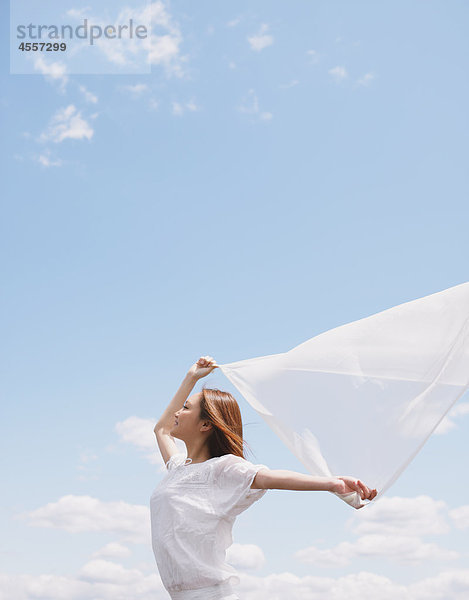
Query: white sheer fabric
column 362, row 399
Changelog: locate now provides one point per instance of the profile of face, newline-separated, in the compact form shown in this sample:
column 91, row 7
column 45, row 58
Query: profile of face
column 187, row 424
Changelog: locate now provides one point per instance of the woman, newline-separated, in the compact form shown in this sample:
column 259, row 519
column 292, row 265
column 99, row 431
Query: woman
column 195, row 505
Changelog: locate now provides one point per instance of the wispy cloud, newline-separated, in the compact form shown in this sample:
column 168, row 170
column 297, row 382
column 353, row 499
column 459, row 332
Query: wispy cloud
column 234, row 22
column 67, row 123
column 292, row 83
column 45, row 160
column 153, row 104
column 250, row 105
column 313, row 56
column 78, row 13
column 86, row 465
column 366, row 79
column 89, row 97
column 448, row 422
column 338, row 74
column 162, row 47
column 53, row 70
column 136, row 90
column 179, row 108
column 261, row 40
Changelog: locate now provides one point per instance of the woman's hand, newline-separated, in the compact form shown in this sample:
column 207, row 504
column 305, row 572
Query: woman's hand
column 203, row 367
column 346, row 485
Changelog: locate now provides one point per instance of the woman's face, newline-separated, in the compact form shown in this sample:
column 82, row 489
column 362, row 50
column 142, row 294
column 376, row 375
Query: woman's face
column 186, row 420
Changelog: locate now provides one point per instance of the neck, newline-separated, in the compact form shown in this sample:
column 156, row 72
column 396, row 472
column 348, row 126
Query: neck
column 197, row 452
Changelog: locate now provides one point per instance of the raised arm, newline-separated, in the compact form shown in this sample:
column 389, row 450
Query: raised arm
column 291, row 480
column 166, row 443
column 201, row 368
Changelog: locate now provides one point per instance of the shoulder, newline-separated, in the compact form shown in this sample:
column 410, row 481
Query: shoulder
column 232, row 466
column 176, row 459
column 229, row 459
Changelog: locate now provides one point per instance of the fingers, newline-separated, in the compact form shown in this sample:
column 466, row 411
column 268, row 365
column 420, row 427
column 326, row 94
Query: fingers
column 207, row 361
column 365, row 491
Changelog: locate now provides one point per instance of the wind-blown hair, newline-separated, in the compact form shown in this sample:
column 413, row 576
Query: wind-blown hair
column 222, row 410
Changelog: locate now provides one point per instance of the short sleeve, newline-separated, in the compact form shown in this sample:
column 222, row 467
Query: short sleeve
column 233, row 478
column 176, row 460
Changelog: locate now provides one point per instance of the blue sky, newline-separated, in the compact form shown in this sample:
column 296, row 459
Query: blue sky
column 285, row 168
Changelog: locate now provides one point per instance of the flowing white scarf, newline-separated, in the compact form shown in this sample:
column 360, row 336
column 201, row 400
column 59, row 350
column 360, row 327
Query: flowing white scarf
column 363, row 398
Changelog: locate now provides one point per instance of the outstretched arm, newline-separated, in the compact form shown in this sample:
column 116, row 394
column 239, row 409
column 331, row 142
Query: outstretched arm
column 291, row 480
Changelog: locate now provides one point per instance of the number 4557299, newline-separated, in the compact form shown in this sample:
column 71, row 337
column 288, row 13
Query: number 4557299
column 42, row 46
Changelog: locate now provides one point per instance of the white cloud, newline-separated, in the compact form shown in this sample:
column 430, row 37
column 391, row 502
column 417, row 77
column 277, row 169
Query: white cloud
column 460, row 516
column 85, row 466
column 95, row 580
column 448, row 422
column 112, row 550
column 161, row 48
column 179, row 109
column 78, row 13
column 261, row 40
column 391, row 528
column 366, row 79
column 52, row 70
column 89, row 97
column 139, row 432
column 448, row 585
column 153, row 104
column 398, row 548
column 313, row 56
column 46, row 161
column 136, row 90
column 250, row 105
column 89, row 584
column 105, row 571
column 232, row 65
column 234, row 22
column 77, row 514
column 245, row 556
column 67, row 123
column 338, row 73
column 417, row 516
column 191, row 106
column 292, row 83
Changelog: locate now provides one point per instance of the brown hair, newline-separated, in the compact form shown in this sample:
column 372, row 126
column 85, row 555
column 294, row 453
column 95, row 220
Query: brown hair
column 222, row 410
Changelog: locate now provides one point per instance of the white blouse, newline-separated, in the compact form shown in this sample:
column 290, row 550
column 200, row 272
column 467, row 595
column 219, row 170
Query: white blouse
column 192, row 512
